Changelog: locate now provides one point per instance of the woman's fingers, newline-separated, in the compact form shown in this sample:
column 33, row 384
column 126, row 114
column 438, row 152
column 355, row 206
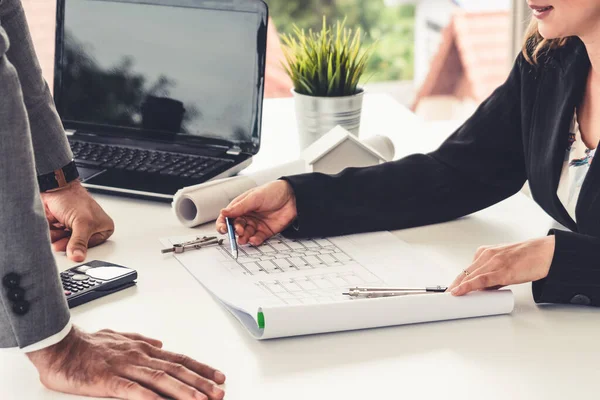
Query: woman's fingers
column 248, row 233
column 239, row 225
column 231, row 211
column 251, row 202
column 479, row 282
column 482, row 256
column 220, row 224
column 259, row 238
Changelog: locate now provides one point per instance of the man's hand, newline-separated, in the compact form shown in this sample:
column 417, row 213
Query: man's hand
column 125, row 366
column 76, row 221
column 495, row 267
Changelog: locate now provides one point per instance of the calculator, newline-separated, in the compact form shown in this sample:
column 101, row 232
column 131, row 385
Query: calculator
column 95, row 279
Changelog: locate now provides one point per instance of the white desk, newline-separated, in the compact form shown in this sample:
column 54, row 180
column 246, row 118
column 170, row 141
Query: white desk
column 536, row 353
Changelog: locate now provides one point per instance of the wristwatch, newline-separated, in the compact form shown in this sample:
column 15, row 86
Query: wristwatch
column 58, row 178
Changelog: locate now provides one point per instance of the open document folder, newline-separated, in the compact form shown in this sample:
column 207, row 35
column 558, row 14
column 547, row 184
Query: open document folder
column 294, row 287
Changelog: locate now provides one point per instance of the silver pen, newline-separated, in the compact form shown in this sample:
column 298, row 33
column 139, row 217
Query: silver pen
column 232, row 240
column 372, row 292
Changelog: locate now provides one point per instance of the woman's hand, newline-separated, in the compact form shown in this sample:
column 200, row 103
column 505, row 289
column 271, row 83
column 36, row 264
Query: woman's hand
column 260, row 213
column 76, row 221
column 123, row 365
column 496, row 266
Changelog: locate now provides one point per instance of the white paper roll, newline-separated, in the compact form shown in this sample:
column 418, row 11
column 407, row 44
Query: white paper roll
column 381, row 144
column 198, row 204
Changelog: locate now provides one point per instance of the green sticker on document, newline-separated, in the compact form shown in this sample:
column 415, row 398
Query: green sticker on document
column 261, row 320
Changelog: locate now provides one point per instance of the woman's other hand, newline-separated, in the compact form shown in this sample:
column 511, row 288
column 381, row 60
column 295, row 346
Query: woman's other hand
column 260, row 213
column 496, row 266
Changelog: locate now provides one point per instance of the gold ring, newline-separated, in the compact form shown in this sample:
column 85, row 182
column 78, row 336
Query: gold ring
column 467, row 273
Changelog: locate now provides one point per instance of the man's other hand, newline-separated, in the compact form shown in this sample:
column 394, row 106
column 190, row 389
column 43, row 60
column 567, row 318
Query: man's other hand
column 76, row 221
column 123, row 365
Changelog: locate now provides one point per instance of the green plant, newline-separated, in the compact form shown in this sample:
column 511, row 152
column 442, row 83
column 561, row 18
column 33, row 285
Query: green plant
column 328, row 63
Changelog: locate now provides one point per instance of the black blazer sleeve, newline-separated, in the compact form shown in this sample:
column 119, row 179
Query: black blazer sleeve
column 481, row 164
column 574, row 275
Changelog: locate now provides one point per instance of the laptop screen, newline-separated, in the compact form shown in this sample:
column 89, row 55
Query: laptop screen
column 168, row 69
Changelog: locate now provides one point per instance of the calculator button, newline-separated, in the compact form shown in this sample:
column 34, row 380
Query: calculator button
column 74, row 290
column 68, row 293
column 80, row 277
column 85, row 285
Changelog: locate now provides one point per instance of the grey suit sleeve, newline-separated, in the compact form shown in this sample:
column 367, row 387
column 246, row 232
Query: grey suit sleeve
column 32, row 303
column 50, row 146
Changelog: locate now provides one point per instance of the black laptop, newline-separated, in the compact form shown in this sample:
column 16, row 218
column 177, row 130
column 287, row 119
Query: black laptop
column 157, row 95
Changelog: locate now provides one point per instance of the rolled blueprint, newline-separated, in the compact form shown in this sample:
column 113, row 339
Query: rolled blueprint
column 381, row 144
column 198, row 204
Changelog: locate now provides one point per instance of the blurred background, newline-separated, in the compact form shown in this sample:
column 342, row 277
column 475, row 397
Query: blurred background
column 440, row 58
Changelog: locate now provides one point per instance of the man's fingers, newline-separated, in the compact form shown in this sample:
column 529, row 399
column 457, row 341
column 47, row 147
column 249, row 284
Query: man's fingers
column 188, row 377
column 479, row 282
column 57, row 234
column 137, row 336
column 199, row 368
column 160, row 381
column 125, row 389
column 61, row 244
column 99, row 238
column 78, row 243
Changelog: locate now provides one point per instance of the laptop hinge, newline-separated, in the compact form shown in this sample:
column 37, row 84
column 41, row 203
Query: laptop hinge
column 234, row 151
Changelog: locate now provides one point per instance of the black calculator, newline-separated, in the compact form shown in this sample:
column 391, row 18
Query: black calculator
column 89, row 281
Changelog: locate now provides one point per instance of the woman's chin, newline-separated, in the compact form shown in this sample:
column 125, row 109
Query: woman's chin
column 548, row 33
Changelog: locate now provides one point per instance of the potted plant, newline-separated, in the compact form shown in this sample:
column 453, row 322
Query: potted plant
column 325, row 68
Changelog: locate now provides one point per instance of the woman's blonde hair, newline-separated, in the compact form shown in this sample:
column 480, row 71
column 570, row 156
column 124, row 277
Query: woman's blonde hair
column 535, row 44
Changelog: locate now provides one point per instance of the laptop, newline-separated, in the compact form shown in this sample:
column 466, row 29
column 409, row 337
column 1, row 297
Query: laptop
column 157, row 95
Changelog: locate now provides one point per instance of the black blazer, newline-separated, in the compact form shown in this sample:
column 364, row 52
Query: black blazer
column 519, row 133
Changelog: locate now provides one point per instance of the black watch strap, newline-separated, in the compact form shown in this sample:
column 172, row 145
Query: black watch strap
column 59, row 178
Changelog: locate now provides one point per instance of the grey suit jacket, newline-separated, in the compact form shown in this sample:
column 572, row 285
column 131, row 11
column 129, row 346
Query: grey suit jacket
column 32, row 302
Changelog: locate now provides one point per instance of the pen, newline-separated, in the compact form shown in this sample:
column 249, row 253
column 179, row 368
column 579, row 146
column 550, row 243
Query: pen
column 383, row 292
column 232, row 241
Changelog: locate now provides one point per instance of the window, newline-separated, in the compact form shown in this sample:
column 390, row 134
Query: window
column 439, row 57
column 41, row 17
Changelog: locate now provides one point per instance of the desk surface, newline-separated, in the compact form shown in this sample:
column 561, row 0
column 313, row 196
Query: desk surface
column 534, row 353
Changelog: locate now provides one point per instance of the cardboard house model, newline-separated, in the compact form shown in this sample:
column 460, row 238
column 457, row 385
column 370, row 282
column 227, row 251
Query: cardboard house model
column 339, row 149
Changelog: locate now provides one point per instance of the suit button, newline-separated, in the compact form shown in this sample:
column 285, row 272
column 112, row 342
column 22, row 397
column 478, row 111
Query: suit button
column 581, row 300
column 21, row 307
column 16, row 294
column 11, row 280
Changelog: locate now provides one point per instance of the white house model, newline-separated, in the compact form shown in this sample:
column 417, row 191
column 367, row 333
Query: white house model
column 339, row 149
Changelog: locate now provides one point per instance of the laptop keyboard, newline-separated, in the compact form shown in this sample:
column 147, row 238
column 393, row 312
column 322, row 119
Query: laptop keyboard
column 148, row 161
